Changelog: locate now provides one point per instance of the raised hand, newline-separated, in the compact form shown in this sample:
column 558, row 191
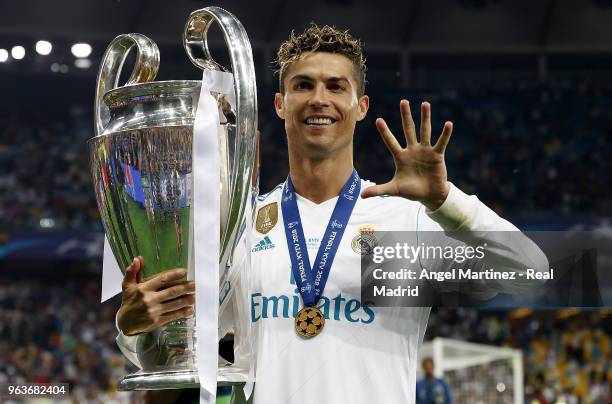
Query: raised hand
column 420, row 171
column 147, row 305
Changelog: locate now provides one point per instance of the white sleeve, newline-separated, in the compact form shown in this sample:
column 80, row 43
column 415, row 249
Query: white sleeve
column 465, row 220
column 137, row 348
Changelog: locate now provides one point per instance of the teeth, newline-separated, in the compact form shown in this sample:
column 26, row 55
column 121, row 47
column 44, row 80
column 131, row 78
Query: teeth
column 319, row 121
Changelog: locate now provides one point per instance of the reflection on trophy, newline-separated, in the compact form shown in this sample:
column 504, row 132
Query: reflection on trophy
column 141, row 162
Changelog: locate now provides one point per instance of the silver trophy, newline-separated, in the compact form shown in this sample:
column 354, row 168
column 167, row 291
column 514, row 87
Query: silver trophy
column 141, row 164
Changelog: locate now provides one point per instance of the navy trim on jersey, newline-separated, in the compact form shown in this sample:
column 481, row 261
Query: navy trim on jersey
column 263, row 197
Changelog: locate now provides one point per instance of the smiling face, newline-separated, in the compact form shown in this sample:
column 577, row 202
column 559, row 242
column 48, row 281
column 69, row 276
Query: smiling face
column 320, row 105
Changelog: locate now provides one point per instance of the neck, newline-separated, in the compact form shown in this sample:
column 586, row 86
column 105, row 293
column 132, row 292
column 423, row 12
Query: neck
column 322, row 179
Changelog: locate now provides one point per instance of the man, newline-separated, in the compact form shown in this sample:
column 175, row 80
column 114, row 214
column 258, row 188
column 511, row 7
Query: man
column 361, row 354
column 430, row 389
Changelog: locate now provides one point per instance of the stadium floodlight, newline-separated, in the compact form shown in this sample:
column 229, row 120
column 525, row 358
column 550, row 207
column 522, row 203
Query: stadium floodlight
column 43, row 47
column 3, row 55
column 81, row 50
column 47, row 223
column 82, row 63
column 18, row 52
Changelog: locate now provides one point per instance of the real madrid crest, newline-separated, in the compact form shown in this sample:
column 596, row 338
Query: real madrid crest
column 364, row 242
column 267, row 216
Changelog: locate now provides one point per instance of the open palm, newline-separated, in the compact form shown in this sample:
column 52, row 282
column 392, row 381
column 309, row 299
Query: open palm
column 420, row 171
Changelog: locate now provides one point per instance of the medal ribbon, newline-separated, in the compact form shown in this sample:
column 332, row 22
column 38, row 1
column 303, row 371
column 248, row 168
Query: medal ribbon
column 311, row 280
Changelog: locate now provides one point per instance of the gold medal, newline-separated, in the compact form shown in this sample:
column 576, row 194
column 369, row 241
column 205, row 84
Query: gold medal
column 309, row 322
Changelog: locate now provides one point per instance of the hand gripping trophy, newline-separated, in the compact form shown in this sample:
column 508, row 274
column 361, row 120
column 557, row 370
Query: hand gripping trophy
column 172, row 166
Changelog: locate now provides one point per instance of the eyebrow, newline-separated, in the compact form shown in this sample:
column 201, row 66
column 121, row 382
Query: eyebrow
column 308, row 78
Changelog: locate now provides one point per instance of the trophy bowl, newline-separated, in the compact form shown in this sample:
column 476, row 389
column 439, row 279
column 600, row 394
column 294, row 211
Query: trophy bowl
column 141, row 164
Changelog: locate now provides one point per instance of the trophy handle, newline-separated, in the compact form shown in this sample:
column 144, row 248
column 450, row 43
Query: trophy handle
column 145, row 69
column 241, row 56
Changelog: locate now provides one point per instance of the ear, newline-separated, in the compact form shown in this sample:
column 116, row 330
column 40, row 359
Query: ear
column 364, row 105
column 278, row 105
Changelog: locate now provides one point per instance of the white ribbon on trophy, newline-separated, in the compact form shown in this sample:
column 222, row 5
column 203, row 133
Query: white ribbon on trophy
column 206, row 208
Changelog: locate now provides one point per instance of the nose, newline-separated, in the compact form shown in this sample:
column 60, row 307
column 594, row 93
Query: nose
column 318, row 96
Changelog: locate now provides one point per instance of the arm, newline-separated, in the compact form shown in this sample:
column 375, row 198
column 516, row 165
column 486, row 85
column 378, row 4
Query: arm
column 420, row 175
column 463, row 220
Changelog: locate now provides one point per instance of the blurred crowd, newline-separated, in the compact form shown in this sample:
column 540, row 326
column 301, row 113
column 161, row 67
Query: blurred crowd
column 53, row 332
column 44, row 171
column 529, row 150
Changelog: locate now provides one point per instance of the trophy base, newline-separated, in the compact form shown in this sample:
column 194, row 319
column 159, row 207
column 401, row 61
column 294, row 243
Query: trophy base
column 173, row 379
column 178, row 379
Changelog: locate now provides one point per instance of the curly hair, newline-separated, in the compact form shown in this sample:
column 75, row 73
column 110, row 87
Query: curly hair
column 322, row 39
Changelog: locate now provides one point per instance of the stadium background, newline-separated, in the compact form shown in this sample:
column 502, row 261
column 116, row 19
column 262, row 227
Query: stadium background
column 528, row 85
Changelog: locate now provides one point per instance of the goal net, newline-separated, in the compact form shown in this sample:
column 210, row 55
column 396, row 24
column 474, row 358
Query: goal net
column 477, row 373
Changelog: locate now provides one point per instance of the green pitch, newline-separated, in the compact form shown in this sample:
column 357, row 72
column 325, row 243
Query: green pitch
column 162, row 241
column 159, row 239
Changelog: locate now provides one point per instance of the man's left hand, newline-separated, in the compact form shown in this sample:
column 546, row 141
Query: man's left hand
column 420, row 171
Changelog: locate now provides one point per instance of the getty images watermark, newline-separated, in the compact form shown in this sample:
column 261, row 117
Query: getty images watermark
column 492, row 269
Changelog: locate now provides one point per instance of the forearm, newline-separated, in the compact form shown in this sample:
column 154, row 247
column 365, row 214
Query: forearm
column 464, row 218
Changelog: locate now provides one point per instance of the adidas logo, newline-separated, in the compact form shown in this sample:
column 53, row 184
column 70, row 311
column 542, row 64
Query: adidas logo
column 264, row 244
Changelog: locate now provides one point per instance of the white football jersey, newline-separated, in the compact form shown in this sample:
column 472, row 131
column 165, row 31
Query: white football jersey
column 364, row 354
